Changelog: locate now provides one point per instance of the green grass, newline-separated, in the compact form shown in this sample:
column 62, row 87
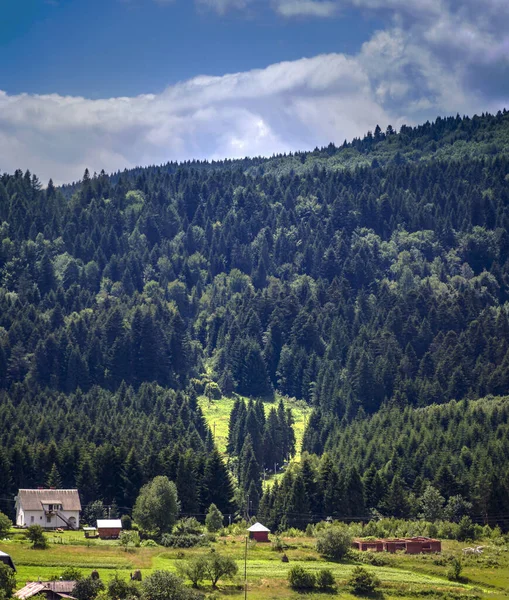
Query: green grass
column 405, row 577
column 217, row 414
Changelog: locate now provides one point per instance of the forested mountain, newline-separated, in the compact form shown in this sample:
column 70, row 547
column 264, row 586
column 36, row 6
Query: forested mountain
column 354, row 278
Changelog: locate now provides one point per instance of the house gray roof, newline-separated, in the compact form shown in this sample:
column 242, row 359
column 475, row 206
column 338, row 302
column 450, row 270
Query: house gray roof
column 258, row 527
column 62, row 588
column 109, row 524
column 6, row 559
column 34, row 499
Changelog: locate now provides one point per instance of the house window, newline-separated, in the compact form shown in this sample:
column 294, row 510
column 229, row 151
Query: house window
column 48, row 519
column 32, row 519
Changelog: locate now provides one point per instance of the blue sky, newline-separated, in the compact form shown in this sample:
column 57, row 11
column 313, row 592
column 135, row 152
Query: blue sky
column 117, row 83
column 104, row 48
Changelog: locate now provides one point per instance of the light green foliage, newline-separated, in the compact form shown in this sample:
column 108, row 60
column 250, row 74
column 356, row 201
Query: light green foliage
column 129, row 538
column 218, row 566
column 334, row 542
column 157, row 505
column 432, row 504
column 214, row 519
column 212, row 391
column 71, row 574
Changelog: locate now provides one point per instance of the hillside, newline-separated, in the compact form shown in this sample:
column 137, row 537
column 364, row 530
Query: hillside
column 352, row 278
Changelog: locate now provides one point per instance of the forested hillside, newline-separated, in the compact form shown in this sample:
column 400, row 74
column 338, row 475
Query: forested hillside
column 371, row 275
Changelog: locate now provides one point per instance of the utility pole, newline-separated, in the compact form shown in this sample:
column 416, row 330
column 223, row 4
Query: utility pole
column 214, row 430
column 245, row 571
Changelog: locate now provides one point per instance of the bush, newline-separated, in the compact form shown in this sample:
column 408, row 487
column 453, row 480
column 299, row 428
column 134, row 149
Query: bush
column 129, row 538
column 71, row 574
column 325, row 579
column 193, row 569
column 127, row 522
column 187, row 526
column 5, row 525
column 300, row 579
column 214, row 519
column 466, row 529
column 334, row 542
column 213, row 391
column 118, row 589
column 87, row 588
column 149, row 544
column 454, row 571
column 7, row 581
column 362, row 581
column 35, row 533
column 163, row 585
column 180, row 541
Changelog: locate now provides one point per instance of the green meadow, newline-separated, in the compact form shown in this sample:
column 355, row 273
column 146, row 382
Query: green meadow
column 402, row 576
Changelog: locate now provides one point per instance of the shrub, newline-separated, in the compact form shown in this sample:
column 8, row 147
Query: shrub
column 213, row 391
column 119, row 589
column 193, row 569
column 35, row 533
column 278, row 545
column 5, row 525
column 362, row 581
column 71, row 574
column 163, row 585
column 127, row 522
column 454, row 571
column 129, row 538
column 334, row 542
column 149, row 544
column 300, row 579
column 466, row 529
column 214, row 519
column 87, row 588
column 7, row 581
column 325, row 579
column 217, row 566
column 187, row 526
column 180, row 541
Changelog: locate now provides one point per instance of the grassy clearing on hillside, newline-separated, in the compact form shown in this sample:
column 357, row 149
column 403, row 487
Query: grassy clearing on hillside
column 404, row 576
column 217, row 414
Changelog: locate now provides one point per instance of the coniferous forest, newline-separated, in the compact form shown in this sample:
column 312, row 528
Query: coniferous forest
column 369, row 280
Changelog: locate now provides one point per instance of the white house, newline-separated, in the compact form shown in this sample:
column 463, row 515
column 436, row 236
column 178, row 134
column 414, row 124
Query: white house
column 48, row 508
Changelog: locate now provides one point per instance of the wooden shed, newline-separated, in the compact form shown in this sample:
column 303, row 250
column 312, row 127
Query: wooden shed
column 109, row 529
column 259, row 532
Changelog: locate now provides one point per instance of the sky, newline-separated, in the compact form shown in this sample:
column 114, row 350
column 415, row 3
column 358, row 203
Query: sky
column 113, row 84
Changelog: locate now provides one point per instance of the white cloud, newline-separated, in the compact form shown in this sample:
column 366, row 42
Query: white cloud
column 299, row 8
column 222, row 6
column 436, row 57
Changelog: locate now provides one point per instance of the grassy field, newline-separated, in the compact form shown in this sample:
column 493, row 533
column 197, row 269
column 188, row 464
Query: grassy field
column 403, row 576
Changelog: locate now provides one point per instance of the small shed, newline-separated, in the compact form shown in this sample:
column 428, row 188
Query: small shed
column 259, row 532
column 7, row 560
column 90, row 532
column 109, row 529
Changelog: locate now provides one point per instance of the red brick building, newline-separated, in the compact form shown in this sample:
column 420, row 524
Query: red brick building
column 415, row 545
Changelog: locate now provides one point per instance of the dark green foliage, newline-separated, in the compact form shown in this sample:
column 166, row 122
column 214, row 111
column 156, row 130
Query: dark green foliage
column 118, row 589
column 163, row 585
column 5, row 525
column 157, row 506
column 71, row 574
column 363, row 582
column 300, row 579
column 325, row 580
column 454, row 571
column 7, row 581
column 372, row 276
column 214, row 520
column 218, row 566
column 35, row 533
column 87, row 588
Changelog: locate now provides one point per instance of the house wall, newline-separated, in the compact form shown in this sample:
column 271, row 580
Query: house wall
column 260, row 536
column 37, row 517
